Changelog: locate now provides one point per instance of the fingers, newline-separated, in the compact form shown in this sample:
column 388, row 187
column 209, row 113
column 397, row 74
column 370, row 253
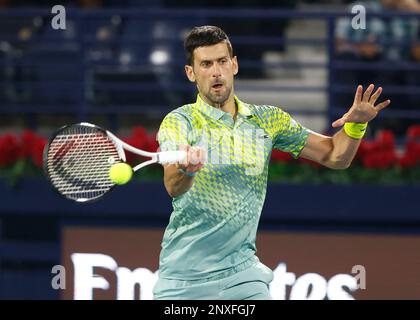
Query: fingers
column 358, row 95
column 197, row 155
column 186, row 148
column 195, row 159
column 203, row 155
column 383, row 105
column 195, row 167
column 367, row 93
column 375, row 96
column 338, row 123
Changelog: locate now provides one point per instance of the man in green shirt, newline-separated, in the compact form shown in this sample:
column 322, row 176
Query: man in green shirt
column 208, row 249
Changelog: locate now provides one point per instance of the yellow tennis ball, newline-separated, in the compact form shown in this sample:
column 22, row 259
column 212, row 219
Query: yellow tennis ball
column 121, row 173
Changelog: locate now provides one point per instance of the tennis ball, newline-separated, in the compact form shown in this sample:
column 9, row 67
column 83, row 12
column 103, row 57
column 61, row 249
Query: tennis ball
column 121, row 173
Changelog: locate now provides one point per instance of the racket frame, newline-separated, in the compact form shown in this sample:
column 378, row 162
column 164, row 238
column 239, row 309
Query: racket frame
column 156, row 157
column 45, row 159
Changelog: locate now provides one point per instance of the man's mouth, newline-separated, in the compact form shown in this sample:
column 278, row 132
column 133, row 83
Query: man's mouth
column 217, row 86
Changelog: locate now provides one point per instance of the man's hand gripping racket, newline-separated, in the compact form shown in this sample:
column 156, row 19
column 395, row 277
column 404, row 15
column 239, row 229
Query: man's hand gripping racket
column 79, row 157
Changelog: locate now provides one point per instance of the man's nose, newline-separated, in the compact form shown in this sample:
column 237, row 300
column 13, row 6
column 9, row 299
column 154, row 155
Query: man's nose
column 216, row 70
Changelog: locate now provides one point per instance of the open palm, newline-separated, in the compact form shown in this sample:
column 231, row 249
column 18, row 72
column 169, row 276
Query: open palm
column 363, row 108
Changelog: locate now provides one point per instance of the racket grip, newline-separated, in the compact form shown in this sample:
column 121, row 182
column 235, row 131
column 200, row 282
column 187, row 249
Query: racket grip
column 171, row 156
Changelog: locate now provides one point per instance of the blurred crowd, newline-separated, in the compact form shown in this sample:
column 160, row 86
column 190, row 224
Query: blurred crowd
column 382, row 43
column 383, row 53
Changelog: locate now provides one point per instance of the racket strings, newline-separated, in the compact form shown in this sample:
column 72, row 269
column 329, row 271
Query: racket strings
column 79, row 160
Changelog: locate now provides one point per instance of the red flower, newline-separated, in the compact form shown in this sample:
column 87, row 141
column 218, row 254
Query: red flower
column 407, row 161
column 280, row 156
column 371, row 161
column 130, row 157
column 37, row 151
column 29, row 139
column 413, row 132
column 386, row 140
column 411, row 155
column 139, row 140
column 380, row 153
column 388, row 158
column 367, row 147
column 152, row 143
column 413, row 149
column 380, row 160
column 33, row 147
column 310, row 162
column 10, row 150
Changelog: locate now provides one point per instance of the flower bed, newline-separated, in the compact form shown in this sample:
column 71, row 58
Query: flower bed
column 377, row 161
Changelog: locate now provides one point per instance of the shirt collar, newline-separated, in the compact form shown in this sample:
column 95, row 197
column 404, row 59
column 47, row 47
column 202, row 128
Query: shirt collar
column 215, row 113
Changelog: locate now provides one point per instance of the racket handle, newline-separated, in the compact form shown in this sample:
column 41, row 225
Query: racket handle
column 171, row 156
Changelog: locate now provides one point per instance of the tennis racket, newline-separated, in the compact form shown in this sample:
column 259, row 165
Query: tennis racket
column 78, row 157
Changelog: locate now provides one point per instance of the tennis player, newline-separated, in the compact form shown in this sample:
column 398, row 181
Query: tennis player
column 208, row 249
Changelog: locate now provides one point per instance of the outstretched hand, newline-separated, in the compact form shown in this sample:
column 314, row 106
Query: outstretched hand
column 363, row 108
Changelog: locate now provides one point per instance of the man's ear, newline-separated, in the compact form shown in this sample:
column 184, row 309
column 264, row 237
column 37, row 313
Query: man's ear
column 190, row 73
column 235, row 65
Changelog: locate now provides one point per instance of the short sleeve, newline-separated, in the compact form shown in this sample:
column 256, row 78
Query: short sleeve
column 288, row 135
column 173, row 131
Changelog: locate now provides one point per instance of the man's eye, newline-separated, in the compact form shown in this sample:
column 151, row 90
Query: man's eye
column 206, row 64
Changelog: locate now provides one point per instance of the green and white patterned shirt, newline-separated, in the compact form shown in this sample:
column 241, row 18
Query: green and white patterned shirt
column 213, row 226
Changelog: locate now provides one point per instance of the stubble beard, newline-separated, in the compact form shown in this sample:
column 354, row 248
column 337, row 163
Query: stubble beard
column 218, row 100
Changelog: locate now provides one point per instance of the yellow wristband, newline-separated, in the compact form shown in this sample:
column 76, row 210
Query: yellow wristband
column 355, row 130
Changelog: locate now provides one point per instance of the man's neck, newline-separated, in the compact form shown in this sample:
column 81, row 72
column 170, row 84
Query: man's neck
column 229, row 106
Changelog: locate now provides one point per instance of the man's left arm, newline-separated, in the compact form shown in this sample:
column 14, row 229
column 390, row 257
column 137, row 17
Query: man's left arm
column 338, row 151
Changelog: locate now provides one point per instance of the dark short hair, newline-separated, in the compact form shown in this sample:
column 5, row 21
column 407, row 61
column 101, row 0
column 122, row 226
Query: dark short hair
column 204, row 36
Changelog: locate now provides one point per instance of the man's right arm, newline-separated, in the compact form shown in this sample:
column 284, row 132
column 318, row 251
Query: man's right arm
column 176, row 183
column 179, row 178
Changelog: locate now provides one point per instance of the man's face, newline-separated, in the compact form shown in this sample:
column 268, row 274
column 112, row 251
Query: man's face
column 213, row 70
